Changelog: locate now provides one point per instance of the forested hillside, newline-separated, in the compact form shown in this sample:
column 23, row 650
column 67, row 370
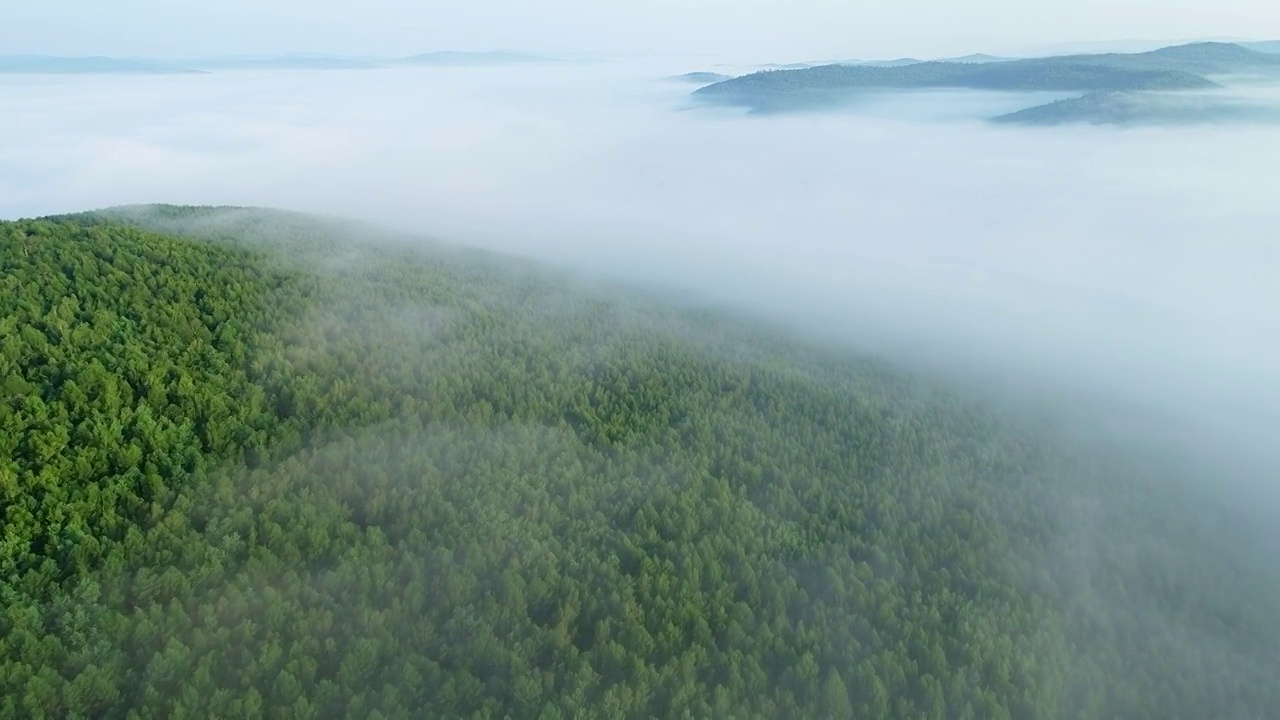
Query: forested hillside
column 267, row 466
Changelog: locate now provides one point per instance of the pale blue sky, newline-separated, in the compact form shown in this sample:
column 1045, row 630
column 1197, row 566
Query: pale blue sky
column 760, row 28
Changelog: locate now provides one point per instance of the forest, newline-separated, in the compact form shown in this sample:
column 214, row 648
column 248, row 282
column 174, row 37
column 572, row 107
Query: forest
column 263, row 465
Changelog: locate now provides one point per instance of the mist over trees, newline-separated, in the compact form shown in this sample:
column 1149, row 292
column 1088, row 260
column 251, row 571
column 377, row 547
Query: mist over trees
column 261, row 465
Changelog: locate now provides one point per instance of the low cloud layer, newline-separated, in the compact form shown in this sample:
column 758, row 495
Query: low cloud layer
column 1134, row 264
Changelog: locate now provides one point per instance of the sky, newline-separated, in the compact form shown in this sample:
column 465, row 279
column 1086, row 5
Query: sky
column 762, row 29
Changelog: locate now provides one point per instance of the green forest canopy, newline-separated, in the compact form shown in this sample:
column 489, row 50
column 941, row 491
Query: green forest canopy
column 258, row 465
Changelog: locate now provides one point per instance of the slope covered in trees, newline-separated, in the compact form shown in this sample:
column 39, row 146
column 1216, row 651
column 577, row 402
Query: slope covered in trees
column 272, row 469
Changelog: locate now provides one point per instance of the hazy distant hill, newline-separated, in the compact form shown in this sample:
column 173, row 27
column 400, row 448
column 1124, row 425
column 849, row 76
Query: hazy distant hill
column 1185, row 67
column 288, row 62
column 896, row 62
column 789, row 66
column 40, row 64
column 252, row 459
column 1207, row 58
column 702, row 78
column 1125, row 108
column 1267, row 46
column 904, row 61
column 978, row 58
column 87, row 65
column 453, row 58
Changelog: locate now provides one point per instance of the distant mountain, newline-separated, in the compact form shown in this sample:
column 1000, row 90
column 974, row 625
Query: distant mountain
column 453, row 58
column 82, row 65
column 905, row 61
column 784, row 90
column 702, row 78
column 978, row 58
column 296, row 61
column 1132, row 108
column 896, row 62
column 1129, row 45
column 288, row 62
column 790, row 66
column 46, row 65
column 451, row 483
column 1207, row 58
column 1267, row 46
column 1185, row 67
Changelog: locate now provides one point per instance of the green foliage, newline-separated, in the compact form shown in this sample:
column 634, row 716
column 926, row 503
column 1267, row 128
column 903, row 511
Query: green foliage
column 276, row 473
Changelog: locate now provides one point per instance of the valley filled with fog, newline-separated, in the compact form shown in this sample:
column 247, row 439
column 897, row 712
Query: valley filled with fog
column 1085, row 262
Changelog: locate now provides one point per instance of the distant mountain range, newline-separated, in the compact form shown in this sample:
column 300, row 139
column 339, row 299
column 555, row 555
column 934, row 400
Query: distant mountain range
column 50, row 65
column 1269, row 46
column 1196, row 66
column 702, row 78
column 895, row 62
column 1130, row 108
column 285, row 62
column 39, row 64
column 979, row 58
column 454, row 59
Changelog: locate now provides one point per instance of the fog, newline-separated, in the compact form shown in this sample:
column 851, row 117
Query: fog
column 770, row 31
column 1131, row 266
